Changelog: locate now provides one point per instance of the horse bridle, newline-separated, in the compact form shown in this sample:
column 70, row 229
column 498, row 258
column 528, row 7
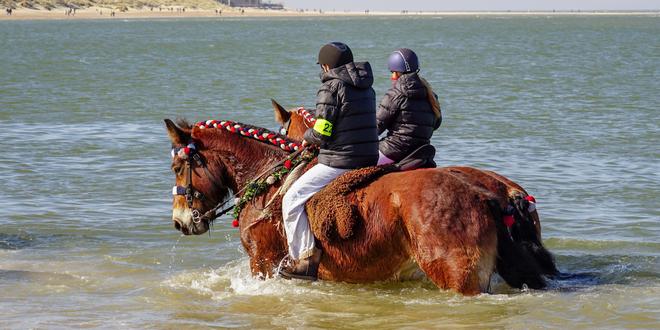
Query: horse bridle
column 190, row 154
column 192, row 157
column 285, row 128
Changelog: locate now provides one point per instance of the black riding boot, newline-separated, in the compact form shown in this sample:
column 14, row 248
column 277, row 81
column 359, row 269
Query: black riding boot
column 305, row 269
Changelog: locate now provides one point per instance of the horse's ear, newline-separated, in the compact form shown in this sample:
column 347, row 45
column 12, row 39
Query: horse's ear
column 177, row 135
column 281, row 115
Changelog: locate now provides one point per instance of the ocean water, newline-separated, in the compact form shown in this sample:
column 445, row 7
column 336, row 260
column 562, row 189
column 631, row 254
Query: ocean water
column 566, row 106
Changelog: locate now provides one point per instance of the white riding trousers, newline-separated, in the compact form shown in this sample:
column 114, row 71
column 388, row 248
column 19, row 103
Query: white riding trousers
column 296, row 224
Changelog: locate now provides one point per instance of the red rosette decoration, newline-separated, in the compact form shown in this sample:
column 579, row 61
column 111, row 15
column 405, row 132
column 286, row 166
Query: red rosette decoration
column 509, row 220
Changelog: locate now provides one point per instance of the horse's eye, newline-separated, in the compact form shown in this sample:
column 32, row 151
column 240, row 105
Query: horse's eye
column 177, row 169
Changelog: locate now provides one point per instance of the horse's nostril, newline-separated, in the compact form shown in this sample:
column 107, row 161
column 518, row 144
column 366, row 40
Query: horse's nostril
column 177, row 225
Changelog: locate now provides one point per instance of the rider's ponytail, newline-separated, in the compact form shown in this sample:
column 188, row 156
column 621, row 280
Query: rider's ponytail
column 435, row 105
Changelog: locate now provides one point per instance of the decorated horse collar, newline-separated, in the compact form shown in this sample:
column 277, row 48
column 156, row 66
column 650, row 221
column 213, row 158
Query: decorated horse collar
column 257, row 133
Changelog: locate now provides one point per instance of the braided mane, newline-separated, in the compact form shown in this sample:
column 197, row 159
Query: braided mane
column 255, row 132
column 307, row 116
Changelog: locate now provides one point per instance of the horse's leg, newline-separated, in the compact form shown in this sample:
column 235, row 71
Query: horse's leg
column 458, row 265
column 262, row 237
column 465, row 270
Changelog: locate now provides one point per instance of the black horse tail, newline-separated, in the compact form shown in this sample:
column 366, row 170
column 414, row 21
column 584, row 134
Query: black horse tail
column 521, row 257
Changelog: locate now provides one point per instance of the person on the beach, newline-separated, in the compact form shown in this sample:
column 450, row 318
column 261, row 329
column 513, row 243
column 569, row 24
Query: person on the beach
column 409, row 111
column 346, row 134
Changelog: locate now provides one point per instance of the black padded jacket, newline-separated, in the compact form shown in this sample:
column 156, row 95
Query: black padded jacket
column 405, row 112
column 345, row 128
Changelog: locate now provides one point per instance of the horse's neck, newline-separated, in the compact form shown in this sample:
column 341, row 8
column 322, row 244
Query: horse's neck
column 245, row 159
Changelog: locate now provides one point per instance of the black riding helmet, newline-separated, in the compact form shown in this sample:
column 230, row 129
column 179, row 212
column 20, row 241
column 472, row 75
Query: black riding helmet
column 335, row 54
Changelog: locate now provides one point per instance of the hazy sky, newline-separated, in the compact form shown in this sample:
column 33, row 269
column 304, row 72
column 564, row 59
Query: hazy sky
column 412, row 5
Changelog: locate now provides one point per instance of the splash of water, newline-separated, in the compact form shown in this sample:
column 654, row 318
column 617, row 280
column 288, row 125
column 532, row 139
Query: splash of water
column 172, row 254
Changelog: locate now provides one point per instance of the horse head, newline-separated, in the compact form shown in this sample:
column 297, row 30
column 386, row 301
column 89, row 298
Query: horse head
column 201, row 179
column 212, row 159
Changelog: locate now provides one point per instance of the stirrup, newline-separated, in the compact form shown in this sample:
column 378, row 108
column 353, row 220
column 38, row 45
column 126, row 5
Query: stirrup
column 290, row 275
column 310, row 272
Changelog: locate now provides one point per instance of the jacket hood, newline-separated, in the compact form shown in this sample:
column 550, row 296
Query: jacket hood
column 355, row 74
column 410, row 84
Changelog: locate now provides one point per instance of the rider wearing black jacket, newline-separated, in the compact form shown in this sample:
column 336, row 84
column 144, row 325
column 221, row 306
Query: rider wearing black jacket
column 407, row 110
column 346, row 134
column 345, row 127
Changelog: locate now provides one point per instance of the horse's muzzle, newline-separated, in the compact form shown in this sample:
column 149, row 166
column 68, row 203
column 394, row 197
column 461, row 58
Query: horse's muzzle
column 183, row 222
column 183, row 229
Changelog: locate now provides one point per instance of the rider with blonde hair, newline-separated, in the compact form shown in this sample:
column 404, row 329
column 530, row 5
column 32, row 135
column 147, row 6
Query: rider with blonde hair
column 409, row 111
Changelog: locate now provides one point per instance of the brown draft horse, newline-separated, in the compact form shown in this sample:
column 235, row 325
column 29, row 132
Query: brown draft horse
column 453, row 230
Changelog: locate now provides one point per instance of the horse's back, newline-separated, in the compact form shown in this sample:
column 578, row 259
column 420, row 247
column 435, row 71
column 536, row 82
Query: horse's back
column 490, row 180
column 435, row 195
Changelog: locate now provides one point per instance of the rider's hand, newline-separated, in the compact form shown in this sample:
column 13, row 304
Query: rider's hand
column 305, row 143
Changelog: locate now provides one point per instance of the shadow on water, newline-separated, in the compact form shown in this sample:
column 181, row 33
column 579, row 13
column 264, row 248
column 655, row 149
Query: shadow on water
column 586, row 271
column 572, row 282
column 16, row 241
column 28, row 240
column 17, row 276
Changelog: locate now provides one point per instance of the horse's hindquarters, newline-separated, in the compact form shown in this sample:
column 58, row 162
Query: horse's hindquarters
column 432, row 217
column 448, row 226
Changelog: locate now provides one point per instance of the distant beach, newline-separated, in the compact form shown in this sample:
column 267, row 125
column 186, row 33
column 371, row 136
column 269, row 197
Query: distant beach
column 117, row 12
